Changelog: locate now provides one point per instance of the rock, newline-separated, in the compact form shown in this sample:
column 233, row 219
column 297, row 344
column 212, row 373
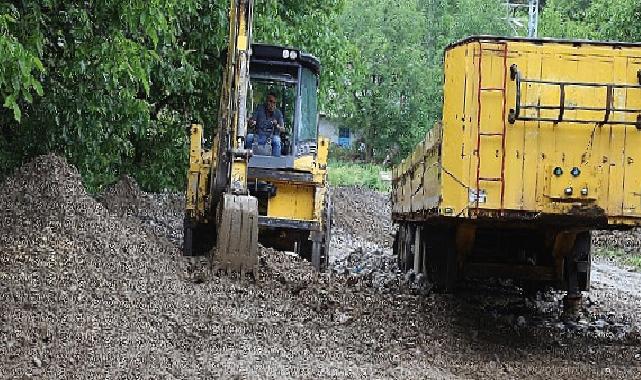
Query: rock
column 342, row 318
column 103, row 282
column 410, row 276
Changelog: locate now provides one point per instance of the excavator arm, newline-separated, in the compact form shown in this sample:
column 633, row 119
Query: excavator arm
column 221, row 218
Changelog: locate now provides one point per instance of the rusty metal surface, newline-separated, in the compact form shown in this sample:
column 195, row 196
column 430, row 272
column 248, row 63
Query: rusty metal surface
column 517, row 219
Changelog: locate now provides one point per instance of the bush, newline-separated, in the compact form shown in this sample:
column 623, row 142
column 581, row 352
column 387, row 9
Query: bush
column 344, row 154
column 351, row 174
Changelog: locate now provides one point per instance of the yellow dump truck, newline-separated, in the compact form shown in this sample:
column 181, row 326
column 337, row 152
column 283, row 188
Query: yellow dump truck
column 540, row 142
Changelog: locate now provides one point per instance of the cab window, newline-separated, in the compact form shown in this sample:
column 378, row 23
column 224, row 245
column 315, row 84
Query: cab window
column 309, row 94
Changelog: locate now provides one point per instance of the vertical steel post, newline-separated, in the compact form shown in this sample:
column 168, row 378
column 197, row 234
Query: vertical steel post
column 533, row 23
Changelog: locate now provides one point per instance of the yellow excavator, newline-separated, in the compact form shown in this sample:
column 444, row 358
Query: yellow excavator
column 237, row 194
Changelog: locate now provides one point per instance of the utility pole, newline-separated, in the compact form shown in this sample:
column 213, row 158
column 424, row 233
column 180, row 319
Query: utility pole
column 533, row 15
column 517, row 16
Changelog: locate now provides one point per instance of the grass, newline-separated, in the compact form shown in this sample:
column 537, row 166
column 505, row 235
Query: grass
column 626, row 258
column 351, row 174
column 635, row 261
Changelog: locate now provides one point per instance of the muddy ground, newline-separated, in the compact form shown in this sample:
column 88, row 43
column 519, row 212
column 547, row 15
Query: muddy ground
column 97, row 289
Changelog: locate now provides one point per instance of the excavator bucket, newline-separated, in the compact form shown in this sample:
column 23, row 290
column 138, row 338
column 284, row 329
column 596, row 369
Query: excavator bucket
column 237, row 248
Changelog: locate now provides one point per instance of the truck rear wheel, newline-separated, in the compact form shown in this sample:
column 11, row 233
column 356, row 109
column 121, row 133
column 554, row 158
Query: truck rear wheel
column 440, row 256
column 431, row 250
column 403, row 246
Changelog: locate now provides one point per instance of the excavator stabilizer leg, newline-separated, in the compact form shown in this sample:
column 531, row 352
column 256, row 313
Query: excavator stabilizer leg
column 237, row 248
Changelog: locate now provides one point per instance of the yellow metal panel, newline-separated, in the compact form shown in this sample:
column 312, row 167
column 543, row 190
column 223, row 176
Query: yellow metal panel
column 455, row 172
column 323, row 150
column 521, row 140
column 632, row 157
column 242, row 42
column 469, row 119
column 239, row 174
column 304, row 163
column 617, row 144
column 519, row 158
column 532, row 134
column 292, row 202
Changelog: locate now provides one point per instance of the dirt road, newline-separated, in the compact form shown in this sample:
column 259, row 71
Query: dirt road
column 97, row 289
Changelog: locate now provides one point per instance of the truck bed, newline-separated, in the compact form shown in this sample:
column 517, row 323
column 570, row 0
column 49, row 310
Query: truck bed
column 535, row 130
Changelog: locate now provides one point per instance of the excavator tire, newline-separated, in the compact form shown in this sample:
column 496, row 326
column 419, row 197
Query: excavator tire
column 327, row 231
column 237, row 248
column 316, row 248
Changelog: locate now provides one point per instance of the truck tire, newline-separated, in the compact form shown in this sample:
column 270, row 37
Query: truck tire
column 403, row 243
column 583, row 258
column 441, row 257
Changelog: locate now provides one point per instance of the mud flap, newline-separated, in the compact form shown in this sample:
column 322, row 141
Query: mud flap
column 237, row 248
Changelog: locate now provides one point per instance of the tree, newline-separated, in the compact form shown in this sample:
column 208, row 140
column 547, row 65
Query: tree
column 312, row 26
column 384, row 90
column 116, row 82
column 599, row 19
column 393, row 94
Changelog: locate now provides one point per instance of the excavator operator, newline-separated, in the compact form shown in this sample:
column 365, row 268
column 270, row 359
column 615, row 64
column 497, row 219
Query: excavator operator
column 268, row 123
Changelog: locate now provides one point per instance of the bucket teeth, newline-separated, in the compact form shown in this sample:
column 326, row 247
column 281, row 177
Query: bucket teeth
column 237, row 247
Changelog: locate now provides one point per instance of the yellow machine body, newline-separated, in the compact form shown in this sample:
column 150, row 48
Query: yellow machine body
column 577, row 150
column 295, row 200
column 297, row 217
column 221, row 217
column 301, row 200
column 540, row 142
column 284, row 195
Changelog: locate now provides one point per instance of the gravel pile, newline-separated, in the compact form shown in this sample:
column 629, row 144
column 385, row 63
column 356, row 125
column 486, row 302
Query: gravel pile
column 363, row 213
column 77, row 284
column 162, row 214
column 628, row 241
column 94, row 291
column 362, row 238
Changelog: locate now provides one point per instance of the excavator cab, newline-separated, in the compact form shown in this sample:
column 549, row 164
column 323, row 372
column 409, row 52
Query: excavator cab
column 290, row 186
column 294, row 81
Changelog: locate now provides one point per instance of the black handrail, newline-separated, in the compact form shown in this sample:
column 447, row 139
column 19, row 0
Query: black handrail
column 515, row 113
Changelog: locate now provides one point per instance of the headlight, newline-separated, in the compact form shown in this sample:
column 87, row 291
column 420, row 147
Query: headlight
column 285, row 53
column 293, row 55
column 568, row 191
column 584, row 191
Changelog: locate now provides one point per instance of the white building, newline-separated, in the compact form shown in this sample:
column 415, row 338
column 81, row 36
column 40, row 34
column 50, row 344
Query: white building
column 338, row 134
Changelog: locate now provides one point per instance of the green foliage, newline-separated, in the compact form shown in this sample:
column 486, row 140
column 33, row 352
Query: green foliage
column 385, row 95
column 635, row 261
column 312, row 26
column 345, row 154
column 393, row 94
column 363, row 175
column 599, row 19
column 627, row 258
column 116, row 82
column 18, row 66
